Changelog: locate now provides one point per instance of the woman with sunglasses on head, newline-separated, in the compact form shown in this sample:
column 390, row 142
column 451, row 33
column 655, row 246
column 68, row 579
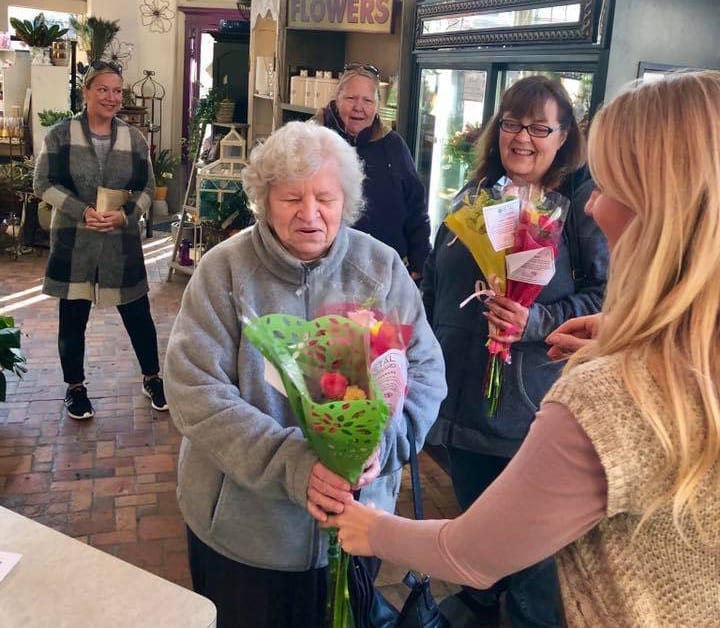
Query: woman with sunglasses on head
column 621, row 465
column 96, row 256
column 533, row 139
column 396, row 211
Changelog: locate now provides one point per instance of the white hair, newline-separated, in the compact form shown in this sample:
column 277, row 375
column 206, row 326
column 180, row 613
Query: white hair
column 296, row 151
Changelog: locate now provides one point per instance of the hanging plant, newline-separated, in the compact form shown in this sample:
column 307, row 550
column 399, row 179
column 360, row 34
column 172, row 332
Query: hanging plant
column 157, row 14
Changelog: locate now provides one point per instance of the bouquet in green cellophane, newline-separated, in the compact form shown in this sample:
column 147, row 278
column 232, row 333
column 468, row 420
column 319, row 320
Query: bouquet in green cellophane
column 329, row 368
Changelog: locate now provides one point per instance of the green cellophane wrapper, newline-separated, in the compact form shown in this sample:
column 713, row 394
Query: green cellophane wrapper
column 342, row 433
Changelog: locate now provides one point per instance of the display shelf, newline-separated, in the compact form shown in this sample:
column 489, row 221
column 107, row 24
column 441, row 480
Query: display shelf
column 295, row 49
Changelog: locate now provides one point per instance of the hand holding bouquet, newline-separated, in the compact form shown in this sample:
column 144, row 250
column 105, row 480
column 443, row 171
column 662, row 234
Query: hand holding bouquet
column 518, row 227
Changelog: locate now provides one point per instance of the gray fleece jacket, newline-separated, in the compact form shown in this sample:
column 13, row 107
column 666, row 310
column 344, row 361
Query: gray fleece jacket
column 244, row 464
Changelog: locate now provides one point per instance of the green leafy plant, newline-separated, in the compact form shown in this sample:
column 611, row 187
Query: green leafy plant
column 48, row 117
column 11, row 357
column 205, row 112
column 17, row 176
column 37, row 33
column 164, row 164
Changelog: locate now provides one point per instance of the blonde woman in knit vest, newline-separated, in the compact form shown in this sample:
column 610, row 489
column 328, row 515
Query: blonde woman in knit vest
column 620, row 472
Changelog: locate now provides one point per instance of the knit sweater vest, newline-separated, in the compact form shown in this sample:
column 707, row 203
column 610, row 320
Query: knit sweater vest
column 611, row 576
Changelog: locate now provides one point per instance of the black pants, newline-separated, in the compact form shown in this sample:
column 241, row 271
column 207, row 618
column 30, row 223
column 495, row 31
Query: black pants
column 74, row 314
column 248, row 597
column 533, row 594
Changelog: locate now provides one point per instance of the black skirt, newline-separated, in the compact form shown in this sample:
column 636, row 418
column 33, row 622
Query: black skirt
column 249, row 597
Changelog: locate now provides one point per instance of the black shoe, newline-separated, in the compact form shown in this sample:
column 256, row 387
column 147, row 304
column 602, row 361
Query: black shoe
column 153, row 388
column 77, row 403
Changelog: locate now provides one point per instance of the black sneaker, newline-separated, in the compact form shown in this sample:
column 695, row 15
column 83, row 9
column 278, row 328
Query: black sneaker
column 153, row 388
column 77, row 403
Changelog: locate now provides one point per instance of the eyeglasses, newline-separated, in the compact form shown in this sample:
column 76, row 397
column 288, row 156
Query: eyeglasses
column 368, row 67
column 536, row 130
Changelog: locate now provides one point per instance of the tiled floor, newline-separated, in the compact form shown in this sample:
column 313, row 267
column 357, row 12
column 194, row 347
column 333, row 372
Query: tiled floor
column 111, row 481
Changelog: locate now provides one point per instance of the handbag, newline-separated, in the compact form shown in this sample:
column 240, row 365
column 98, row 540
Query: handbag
column 369, row 606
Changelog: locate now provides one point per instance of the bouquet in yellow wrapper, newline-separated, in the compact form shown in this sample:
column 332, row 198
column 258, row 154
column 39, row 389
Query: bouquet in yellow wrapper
column 486, row 224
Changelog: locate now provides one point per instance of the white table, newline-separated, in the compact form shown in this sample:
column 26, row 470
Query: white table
column 63, row 583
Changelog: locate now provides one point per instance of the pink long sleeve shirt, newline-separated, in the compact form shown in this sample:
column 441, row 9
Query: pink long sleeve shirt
column 553, row 491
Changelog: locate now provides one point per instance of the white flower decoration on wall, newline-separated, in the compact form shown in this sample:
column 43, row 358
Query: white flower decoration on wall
column 118, row 52
column 157, row 14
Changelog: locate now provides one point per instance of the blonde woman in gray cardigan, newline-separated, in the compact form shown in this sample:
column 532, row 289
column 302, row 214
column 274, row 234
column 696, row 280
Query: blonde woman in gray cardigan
column 621, row 466
column 97, row 256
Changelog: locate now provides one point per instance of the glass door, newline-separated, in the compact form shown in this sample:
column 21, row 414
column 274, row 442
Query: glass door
column 578, row 83
column 451, row 105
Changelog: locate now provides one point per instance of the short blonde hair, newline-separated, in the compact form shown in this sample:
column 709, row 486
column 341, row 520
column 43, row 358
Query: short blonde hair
column 656, row 149
column 297, row 151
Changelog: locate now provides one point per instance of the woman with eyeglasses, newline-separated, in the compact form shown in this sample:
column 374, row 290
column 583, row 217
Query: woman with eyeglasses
column 96, row 256
column 396, row 212
column 620, row 472
column 534, row 139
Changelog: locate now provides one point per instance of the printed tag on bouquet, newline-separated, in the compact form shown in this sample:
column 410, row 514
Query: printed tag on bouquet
column 536, row 266
column 273, row 378
column 501, row 223
column 390, row 371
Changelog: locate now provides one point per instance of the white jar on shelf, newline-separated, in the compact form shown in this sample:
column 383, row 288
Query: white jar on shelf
column 309, row 99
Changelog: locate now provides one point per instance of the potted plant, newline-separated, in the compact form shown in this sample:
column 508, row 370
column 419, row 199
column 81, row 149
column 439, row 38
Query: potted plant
column 48, row 117
column 11, row 357
column 164, row 164
column 37, row 34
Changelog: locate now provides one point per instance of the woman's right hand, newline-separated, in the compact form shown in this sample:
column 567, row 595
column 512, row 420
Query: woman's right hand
column 103, row 222
column 327, row 492
column 572, row 335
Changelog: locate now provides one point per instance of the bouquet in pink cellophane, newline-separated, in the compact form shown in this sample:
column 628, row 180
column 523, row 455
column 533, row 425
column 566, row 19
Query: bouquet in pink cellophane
column 345, row 375
column 529, row 268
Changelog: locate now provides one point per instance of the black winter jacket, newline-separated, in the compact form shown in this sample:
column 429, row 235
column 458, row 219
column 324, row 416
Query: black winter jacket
column 449, row 277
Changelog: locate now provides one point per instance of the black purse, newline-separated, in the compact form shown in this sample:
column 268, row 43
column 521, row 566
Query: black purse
column 369, row 606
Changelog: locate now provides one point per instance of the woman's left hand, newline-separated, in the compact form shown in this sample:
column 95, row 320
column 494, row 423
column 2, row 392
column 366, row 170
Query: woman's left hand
column 354, row 527
column 370, row 471
column 508, row 319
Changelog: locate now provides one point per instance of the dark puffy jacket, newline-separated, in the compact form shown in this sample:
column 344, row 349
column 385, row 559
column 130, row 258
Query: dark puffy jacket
column 449, row 277
column 396, row 212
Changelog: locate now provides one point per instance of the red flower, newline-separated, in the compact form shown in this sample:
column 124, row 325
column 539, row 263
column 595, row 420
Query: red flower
column 333, row 385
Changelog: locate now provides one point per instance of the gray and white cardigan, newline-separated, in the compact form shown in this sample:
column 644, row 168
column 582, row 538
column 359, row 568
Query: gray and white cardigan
column 86, row 264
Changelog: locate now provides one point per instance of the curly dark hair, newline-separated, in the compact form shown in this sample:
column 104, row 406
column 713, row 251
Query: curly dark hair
column 527, row 97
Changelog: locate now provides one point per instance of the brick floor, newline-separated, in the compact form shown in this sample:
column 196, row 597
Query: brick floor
column 110, row 481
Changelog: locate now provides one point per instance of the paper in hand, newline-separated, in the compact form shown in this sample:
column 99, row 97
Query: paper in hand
column 110, row 200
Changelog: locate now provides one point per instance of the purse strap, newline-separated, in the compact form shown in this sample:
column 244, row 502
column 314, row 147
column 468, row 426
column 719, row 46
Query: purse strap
column 414, row 473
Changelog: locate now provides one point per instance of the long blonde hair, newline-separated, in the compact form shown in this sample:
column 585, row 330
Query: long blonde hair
column 656, row 149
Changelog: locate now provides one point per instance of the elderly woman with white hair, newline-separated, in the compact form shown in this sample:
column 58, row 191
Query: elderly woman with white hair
column 247, row 479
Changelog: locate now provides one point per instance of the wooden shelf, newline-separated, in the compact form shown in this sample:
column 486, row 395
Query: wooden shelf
column 264, row 97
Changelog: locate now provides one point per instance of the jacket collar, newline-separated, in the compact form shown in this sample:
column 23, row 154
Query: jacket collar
column 85, row 123
column 330, row 118
column 287, row 267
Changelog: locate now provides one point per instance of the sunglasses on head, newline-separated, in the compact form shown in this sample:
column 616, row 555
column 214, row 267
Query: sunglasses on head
column 367, row 67
column 98, row 66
